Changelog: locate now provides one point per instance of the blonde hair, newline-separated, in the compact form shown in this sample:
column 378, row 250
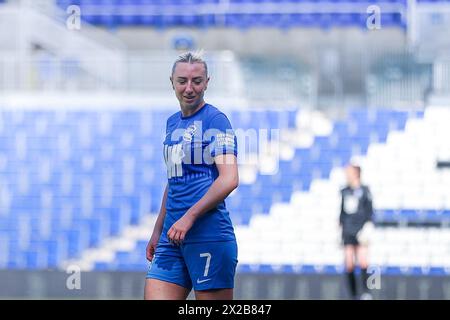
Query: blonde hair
column 191, row 57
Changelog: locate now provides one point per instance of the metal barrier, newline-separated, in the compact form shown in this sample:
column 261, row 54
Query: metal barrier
column 441, row 76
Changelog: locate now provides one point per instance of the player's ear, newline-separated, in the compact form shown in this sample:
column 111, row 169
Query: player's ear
column 207, row 81
column 171, row 82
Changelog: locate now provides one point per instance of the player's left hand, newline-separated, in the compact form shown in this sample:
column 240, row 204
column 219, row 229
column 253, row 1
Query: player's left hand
column 179, row 229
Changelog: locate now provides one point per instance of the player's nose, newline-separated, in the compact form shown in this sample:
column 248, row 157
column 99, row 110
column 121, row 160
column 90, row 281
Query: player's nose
column 188, row 88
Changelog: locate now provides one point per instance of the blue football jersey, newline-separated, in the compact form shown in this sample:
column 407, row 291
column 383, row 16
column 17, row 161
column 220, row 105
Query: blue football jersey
column 190, row 145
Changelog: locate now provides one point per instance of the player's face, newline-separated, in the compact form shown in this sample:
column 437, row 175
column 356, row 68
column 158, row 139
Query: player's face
column 189, row 82
column 352, row 175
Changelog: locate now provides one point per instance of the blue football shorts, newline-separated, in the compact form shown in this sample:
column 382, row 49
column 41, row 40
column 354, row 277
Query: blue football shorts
column 202, row 266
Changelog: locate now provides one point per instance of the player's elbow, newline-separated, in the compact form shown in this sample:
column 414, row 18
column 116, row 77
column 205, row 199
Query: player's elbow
column 234, row 182
column 229, row 181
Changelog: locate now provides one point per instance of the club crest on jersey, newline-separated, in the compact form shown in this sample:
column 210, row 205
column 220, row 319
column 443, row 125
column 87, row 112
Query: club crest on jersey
column 189, row 133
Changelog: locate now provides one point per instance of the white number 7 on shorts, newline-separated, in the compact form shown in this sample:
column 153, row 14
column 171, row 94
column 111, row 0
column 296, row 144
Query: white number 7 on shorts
column 208, row 260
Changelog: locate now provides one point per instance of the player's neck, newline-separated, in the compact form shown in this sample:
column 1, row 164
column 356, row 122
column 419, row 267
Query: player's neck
column 355, row 184
column 186, row 112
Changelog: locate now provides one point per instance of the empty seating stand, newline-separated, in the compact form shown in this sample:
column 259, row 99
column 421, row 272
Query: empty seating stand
column 70, row 179
column 241, row 14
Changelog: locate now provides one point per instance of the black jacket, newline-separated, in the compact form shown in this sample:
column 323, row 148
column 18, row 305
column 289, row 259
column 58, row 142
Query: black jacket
column 356, row 209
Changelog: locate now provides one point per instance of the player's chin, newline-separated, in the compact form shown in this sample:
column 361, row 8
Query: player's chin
column 191, row 105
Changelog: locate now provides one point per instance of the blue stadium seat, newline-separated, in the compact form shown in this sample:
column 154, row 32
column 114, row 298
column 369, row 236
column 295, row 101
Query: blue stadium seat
column 399, row 119
column 361, row 144
column 340, row 128
column 323, row 143
column 363, row 129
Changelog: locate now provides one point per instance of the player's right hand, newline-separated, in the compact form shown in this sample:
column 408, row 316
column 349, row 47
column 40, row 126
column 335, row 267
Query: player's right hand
column 151, row 247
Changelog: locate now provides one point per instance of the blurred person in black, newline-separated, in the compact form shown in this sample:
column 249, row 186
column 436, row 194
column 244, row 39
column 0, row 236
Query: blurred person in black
column 356, row 224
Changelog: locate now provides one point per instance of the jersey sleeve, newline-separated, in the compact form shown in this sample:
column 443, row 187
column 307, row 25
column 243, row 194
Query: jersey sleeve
column 223, row 138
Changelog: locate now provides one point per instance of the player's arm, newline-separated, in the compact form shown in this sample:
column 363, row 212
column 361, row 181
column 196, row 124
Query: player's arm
column 225, row 183
column 369, row 205
column 157, row 230
column 341, row 215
